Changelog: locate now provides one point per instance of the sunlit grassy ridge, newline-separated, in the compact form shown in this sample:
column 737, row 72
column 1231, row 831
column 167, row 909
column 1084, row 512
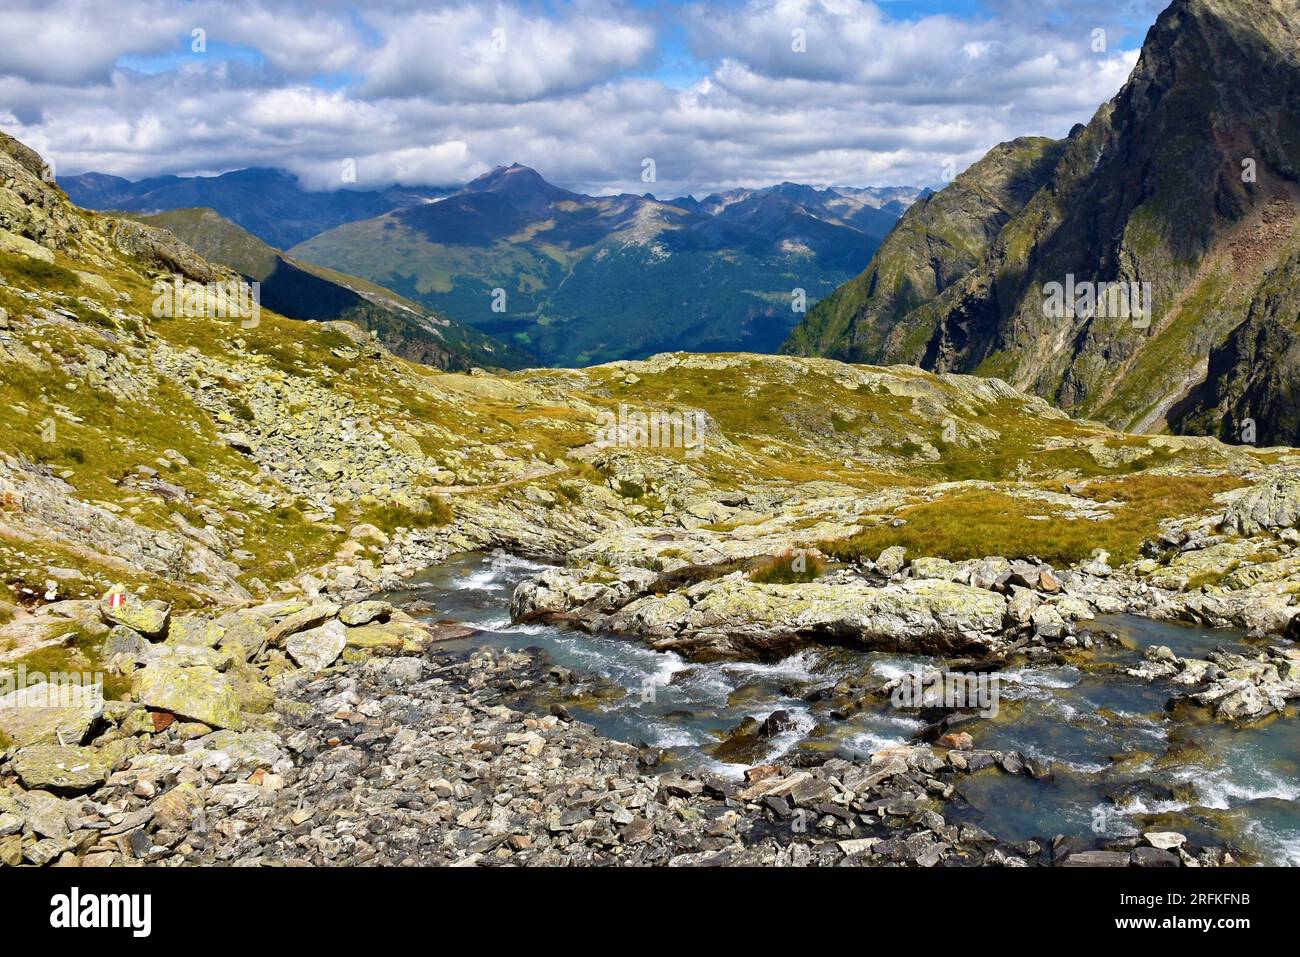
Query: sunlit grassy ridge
column 976, row 523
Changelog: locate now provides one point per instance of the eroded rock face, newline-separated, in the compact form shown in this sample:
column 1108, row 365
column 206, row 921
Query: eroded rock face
column 1268, row 507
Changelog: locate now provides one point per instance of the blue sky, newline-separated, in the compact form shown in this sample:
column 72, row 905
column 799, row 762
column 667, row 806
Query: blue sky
column 884, row 92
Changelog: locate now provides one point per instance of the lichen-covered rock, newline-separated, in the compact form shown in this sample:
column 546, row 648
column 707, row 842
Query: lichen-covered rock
column 198, row 693
column 244, row 632
column 1234, row 687
column 123, row 646
column 194, row 630
column 149, row 618
column 1269, row 506
column 892, row 560
column 402, row 634
column 558, row 591
column 313, row 616
column 177, row 809
column 68, row 769
column 364, row 612
column 937, row 568
column 51, row 713
column 734, row 615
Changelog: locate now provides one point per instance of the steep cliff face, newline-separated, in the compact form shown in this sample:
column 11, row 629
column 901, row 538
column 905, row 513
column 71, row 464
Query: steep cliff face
column 1183, row 190
column 875, row 318
column 1252, row 392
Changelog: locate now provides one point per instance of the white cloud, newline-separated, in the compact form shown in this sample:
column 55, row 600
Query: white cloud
column 78, row 41
column 575, row 94
column 498, row 53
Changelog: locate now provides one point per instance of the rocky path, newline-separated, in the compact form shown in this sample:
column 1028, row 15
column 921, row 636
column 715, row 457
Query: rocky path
column 531, row 475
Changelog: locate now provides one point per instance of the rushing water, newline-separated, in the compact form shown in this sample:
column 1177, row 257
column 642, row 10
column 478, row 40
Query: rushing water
column 1121, row 762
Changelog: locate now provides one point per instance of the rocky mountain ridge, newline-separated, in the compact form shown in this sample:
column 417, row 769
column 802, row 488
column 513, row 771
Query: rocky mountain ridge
column 1185, row 185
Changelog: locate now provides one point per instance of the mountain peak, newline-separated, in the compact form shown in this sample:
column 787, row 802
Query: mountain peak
column 516, row 181
column 1183, row 187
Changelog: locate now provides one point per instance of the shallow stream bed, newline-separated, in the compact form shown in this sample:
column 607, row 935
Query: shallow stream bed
column 1120, row 761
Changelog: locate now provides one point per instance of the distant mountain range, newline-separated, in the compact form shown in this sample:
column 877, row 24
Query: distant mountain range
column 269, row 203
column 1183, row 189
column 301, row 290
column 580, row 279
column 584, row 279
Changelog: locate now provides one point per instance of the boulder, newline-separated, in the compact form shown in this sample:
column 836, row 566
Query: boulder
column 990, row 574
column 177, row 809
column 938, row 568
column 194, row 630
column 1269, row 506
column 404, row 635
column 313, row 616
column 255, row 696
column 1165, row 840
column 1154, row 857
column 364, row 612
column 123, row 647
column 149, row 618
column 67, row 769
column 1098, row 859
column 199, row 693
column 244, row 632
column 734, row 616
column 959, row 740
column 318, row 648
column 51, row 714
column 892, row 561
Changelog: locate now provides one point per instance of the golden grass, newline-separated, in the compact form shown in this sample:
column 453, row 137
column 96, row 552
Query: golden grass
column 789, row 568
column 978, row 523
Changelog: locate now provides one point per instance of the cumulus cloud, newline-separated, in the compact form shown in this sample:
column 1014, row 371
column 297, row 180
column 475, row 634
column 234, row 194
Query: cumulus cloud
column 428, row 93
column 498, row 53
column 74, row 42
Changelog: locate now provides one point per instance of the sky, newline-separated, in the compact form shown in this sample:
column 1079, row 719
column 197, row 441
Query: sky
column 717, row 93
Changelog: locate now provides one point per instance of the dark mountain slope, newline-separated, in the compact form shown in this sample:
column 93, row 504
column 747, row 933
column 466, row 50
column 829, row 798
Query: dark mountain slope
column 938, row 241
column 301, row 290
